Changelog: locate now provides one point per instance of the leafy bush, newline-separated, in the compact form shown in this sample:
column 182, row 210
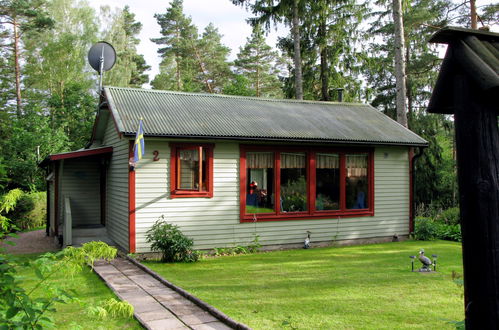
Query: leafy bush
column 450, row 216
column 424, row 229
column 449, row 232
column 7, row 203
column 171, row 242
column 30, row 211
column 19, row 309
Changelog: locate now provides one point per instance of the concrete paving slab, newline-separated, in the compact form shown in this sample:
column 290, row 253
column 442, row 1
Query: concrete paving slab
column 198, row 318
column 183, row 309
column 211, row 326
column 166, row 324
column 157, row 303
column 156, row 315
column 146, row 307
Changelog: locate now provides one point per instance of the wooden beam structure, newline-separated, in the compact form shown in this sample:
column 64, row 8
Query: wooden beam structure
column 468, row 86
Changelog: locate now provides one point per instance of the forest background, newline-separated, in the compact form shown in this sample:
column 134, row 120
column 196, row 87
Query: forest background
column 48, row 93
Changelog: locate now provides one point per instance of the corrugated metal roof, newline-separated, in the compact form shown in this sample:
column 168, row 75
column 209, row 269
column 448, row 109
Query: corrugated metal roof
column 176, row 114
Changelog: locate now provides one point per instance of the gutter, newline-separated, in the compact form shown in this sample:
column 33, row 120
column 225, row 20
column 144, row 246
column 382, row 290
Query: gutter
column 413, row 187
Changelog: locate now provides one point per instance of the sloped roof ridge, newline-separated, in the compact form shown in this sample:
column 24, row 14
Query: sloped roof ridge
column 237, row 97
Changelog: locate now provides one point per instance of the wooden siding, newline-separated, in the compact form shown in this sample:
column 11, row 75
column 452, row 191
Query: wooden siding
column 117, row 187
column 214, row 222
column 80, row 182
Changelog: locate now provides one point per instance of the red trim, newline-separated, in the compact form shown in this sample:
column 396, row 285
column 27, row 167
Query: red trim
column 131, row 203
column 311, row 213
column 178, row 193
column 411, row 190
column 56, row 200
column 82, row 153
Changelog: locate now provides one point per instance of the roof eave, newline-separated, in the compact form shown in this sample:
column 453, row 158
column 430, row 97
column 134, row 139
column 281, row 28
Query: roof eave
column 280, row 139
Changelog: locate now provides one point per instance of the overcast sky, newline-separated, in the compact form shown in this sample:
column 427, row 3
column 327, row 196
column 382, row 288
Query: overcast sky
column 228, row 18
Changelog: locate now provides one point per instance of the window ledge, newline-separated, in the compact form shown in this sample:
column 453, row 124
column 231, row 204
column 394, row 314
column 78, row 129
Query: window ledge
column 316, row 215
column 189, row 194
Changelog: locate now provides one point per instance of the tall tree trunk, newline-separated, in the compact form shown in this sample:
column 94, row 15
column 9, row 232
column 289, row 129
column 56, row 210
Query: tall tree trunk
column 408, row 84
column 177, row 61
column 297, row 52
column 324, row 64
column 473, row 14
column 17, row 69
column 399, row 62
column 203, row 71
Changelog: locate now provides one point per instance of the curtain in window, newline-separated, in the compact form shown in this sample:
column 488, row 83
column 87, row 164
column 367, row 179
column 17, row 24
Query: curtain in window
column 259, row 160
column 356, row 165
column 191, row 155
column 293, row 160
column 327, row 161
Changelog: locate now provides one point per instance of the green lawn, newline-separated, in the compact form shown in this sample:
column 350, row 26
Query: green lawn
column 356, row 287
column 90, row 290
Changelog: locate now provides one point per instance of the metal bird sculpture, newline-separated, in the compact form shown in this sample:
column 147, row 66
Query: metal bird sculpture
column 424, row 260
column 306, row 244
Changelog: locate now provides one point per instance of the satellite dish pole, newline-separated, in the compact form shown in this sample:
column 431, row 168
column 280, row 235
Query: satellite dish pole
column 101, row 57
column 101, row 69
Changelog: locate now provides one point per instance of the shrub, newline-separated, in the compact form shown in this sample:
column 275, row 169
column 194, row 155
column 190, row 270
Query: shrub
column 171, row 242
column 450, row 216
column 30, row 211
column 424, row 229
column 448, row 232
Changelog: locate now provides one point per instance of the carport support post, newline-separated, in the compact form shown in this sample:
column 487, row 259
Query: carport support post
column 477, row 143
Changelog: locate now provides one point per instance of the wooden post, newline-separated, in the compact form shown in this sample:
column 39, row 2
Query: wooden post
column 477, row 141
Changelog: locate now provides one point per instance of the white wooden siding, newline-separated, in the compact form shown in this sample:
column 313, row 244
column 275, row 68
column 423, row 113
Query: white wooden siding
column 80, row 182
column 214, row 222
column 117, row 187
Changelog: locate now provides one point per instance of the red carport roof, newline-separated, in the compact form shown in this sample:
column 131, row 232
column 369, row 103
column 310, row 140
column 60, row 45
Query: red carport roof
column 77, row 154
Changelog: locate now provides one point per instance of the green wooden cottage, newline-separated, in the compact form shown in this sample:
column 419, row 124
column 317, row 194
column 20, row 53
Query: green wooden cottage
column 226, row 168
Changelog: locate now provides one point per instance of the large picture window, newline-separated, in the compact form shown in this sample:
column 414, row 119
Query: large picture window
column 294, row 183
column 191, row 170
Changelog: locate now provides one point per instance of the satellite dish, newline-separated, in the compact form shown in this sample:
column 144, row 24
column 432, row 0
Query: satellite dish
column 102, row 56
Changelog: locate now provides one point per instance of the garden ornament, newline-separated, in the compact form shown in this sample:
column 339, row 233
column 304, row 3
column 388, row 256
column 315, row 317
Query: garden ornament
column 425, row 261
column 306, row 244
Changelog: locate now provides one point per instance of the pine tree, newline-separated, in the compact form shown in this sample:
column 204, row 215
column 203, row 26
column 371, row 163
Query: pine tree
column 291, row 12
column 258, row 62
column 330, row 36
column 22, row 16
column 178, row 37
column 211, row 56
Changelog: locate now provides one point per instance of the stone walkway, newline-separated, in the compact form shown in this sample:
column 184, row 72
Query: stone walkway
column 156, row 305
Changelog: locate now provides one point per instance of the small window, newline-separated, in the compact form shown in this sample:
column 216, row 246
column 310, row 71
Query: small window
column 191, row 170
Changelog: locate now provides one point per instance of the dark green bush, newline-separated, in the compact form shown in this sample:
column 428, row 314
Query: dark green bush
column 449, row 232
column 424, row 229
column 171, row 242
column 30, row 211
column 450, row 216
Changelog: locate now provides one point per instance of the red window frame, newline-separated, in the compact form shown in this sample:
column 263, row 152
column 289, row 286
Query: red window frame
column 175, row 191
column 311, row 212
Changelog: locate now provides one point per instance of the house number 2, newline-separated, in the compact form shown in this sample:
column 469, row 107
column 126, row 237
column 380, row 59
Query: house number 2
column 156, row 155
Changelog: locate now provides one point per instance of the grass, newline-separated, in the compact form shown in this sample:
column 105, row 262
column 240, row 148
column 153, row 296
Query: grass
column 356, row 287
column 90, row 291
